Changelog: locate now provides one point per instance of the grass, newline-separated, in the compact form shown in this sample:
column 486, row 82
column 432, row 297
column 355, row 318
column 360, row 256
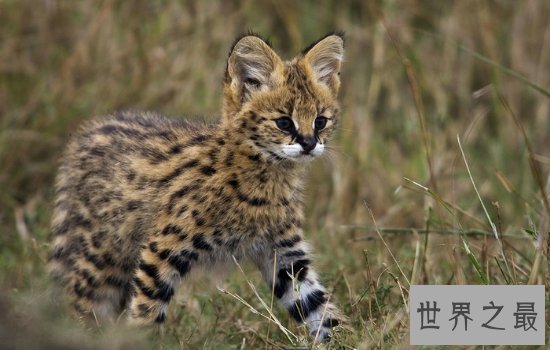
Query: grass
column 398, row 201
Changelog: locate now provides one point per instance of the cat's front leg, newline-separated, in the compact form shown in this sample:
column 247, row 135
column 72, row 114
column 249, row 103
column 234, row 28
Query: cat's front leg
column 288, row 271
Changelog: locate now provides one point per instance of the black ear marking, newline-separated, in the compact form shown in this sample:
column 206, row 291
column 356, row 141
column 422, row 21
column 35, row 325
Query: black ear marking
column 250, row 65
column 250, row 32
column 325, row 58
column 339, row 33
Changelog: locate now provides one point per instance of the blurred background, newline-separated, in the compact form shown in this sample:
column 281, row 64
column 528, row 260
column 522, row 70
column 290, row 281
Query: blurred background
column 392, row 204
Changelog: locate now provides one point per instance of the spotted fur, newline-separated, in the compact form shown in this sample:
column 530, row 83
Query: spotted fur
column 142, row 200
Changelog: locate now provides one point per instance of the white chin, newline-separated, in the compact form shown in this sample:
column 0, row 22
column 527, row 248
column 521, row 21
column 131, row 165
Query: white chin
column 294, row 152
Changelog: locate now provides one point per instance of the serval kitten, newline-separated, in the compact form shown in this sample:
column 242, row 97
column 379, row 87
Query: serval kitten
column 142, row 200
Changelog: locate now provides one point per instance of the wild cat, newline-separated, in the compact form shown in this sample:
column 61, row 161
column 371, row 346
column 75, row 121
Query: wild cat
column 142, row 200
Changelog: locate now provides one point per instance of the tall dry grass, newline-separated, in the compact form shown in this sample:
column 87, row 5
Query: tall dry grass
column 392, row 205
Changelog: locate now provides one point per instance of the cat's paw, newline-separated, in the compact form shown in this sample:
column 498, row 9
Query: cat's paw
column 323, row 329
column 324, row 332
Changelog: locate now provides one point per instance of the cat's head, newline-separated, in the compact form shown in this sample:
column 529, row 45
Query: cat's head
column 283, row 109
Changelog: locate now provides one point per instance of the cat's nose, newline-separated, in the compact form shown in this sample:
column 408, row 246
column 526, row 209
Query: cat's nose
column 308, row 143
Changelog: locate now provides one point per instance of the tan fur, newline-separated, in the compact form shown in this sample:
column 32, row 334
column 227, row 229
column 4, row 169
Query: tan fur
column 141, row 199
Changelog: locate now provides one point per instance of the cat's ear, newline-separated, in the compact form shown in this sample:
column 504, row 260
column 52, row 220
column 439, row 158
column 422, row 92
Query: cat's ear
column 250, row 67
column 325, row 58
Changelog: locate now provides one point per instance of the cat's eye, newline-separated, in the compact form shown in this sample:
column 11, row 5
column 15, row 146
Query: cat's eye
column 320, row 123
column 285, row 124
